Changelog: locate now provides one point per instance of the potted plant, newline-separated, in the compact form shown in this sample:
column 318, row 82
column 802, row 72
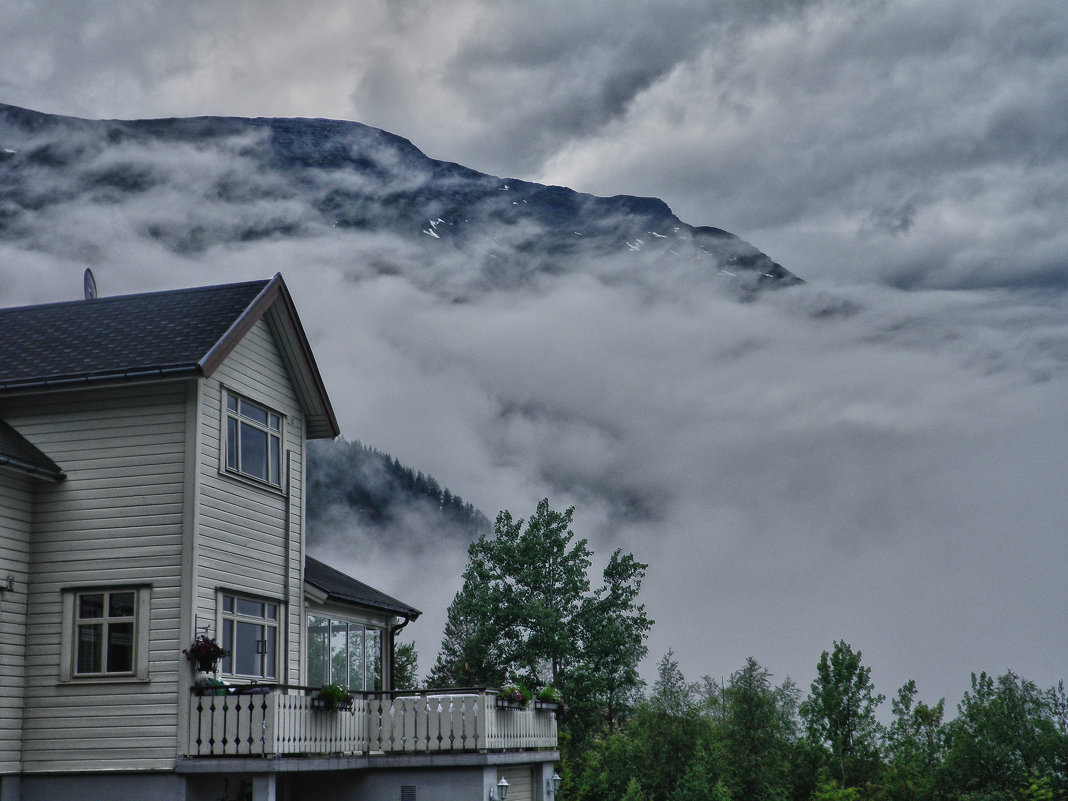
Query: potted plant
column 548, row 697
column 513, row 696
column 205, row 652
column 333, row 697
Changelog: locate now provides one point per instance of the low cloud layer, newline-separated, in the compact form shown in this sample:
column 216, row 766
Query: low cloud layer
column 891, row 473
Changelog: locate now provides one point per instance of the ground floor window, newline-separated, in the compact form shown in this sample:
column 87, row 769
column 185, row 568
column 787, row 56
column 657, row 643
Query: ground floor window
column 344, row 652
column 105, row 632
column 249, row 629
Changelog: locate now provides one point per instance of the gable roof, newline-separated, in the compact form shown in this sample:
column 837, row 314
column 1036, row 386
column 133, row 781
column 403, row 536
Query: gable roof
column 182, row 332
column 340, row 587
column 20, row 454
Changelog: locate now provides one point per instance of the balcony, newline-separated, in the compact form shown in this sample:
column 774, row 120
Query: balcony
column 281, row 721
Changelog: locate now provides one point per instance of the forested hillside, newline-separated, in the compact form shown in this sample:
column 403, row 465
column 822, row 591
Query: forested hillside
column 357, row 487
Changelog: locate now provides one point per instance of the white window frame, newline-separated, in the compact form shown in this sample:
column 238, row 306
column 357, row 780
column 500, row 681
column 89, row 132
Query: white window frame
column 72, row 621
column 269, row 669
column 235, row 419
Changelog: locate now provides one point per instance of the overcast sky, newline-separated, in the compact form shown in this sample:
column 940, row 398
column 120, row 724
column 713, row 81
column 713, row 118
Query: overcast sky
column 895, row 478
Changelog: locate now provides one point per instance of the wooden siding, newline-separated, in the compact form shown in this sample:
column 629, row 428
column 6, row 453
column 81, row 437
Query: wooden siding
column 116, row 520
column 241, row 525
column 16, row 494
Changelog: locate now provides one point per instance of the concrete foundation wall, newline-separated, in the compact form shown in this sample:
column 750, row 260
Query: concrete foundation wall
column 82, row 787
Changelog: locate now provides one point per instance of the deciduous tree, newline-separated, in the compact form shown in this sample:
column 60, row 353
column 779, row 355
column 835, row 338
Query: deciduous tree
column 839, row 714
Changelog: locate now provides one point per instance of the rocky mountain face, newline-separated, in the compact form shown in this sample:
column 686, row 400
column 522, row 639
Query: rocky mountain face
column 190, row 185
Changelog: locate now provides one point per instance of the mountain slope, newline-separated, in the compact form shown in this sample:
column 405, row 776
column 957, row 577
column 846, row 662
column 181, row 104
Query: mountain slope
column 371, row 494
column 190, row 185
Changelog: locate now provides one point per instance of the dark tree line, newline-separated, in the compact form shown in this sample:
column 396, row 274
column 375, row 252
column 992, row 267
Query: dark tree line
column 750, row 739
column 377, row 490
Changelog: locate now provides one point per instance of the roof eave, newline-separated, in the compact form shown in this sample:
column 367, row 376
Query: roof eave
column 33, row 470
column 320, row 420
column 396, row 609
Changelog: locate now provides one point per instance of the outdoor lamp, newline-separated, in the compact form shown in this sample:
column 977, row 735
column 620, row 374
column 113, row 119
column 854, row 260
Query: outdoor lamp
column 502, row 791
column 552, row 786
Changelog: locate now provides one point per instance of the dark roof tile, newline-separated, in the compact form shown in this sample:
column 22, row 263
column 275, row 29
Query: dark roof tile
column 151, row 333
column 340, row 587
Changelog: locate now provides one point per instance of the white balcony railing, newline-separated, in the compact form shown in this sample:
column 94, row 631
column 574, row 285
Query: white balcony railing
column 271, row 720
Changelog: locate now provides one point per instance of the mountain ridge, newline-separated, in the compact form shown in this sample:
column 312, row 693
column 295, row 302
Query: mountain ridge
column 311, row 176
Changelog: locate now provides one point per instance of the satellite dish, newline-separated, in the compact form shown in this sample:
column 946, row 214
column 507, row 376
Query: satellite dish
column 90, row 284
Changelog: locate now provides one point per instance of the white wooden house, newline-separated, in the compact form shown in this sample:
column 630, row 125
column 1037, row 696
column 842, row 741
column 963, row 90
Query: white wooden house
column 152, row 463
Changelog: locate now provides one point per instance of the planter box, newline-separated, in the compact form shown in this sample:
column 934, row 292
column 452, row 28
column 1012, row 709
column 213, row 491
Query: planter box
column 504, row 703
column 552, row 706
column 341, row 706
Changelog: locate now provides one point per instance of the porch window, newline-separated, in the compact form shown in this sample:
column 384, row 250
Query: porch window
column 250, row 633
column 253, row 440
column 344, row 652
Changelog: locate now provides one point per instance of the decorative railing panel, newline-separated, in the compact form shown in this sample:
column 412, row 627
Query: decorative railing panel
column 269, row 720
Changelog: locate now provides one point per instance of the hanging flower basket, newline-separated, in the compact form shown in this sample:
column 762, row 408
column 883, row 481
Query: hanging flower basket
column 205, row 652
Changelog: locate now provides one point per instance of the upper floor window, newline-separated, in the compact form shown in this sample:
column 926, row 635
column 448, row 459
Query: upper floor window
column 253, row 440
column 250, row 634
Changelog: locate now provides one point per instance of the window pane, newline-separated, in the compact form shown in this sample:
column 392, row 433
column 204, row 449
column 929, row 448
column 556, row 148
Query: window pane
column 90, row 648
column 231, row 443
column 272, row 611
column 373, row 638
column 276, row 423
column 339, row 656
column 276, row 461
column 246, row 656
column 253, row 412
column 228, row 603
column 231, row 402
column 120, row 648
column 253, row 451
column 121, row 604
column 228, row 644
column 270, row 657
column 250, row 608
column 318, row 638
column 91, row 606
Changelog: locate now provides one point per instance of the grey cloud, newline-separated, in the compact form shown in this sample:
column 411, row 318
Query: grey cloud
column 884, row 465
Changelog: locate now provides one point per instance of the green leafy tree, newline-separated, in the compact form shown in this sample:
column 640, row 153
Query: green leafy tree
column 470, row 654
column 669, row 731
column 536, row 581
column 830, row 790
column 915, row 746
column 839, row 714
column 700, row 782
column 757, row 731
column 613, row 629
column 634, row 791
column 405, row 667
column 1007, row 736
column 526, row 612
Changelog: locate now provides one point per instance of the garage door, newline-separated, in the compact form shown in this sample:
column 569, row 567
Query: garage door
column 520, row 782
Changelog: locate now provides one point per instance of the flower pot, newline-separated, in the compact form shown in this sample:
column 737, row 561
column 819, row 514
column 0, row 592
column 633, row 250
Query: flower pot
column 207, row 665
